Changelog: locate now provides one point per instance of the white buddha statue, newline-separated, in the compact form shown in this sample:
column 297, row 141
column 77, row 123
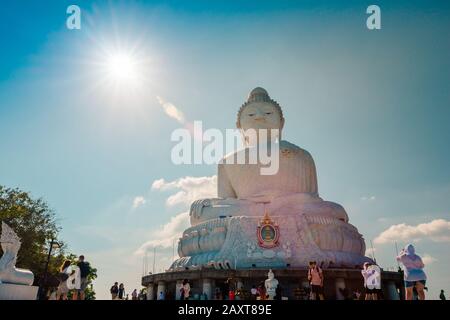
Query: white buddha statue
column 271, row 285
column 290, row 195
column 241, row 187
column 10, row 243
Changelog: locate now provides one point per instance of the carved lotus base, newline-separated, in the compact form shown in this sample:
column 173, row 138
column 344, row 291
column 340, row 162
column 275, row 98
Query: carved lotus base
column 233, row 243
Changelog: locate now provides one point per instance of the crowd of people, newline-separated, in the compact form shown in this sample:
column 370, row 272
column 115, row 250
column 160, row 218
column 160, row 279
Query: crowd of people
column 414, row 284
column 118, row 293
column 414, row 279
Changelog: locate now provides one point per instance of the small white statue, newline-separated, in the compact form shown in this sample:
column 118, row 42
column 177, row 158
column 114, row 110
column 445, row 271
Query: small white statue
column 10, row 243
column 271, row 285
column 373, row 280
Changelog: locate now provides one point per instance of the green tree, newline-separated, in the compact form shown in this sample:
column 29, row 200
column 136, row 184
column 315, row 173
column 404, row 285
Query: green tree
column 35, row 224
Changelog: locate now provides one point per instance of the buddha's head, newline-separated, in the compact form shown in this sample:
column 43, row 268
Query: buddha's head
column 270, row 275
column 260, row 112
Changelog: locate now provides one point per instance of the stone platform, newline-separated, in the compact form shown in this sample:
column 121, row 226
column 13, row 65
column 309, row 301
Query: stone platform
column 206, row 280
column 17, row 292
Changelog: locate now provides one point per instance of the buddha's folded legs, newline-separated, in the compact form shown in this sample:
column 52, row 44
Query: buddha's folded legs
column 232, row 241
column 207, row 209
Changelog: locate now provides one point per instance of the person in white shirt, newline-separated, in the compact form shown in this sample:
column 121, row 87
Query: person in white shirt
column 63, row 289
column 372, row 281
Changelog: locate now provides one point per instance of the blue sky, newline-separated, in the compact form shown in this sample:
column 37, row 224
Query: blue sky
column 372, row 107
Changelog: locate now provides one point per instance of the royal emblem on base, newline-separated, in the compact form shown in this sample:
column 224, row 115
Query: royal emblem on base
column 268, row 232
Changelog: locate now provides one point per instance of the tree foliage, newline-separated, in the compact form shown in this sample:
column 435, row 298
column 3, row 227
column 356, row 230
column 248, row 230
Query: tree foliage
column 35, row 223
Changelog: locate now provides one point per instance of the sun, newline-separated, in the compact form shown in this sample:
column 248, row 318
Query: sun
column 121, row 66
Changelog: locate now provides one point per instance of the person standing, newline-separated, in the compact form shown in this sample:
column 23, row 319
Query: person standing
column 254, row 292
column 315, row 277
column 182, row 292
column 114, row 291
column 442, row 295
column 218, row 295
column 134, row 295
column 63, row 290
column 366, row 273
column 414, row 275
column 262, row 292
column 186, row 289
column 85, row 270
column 121, row 291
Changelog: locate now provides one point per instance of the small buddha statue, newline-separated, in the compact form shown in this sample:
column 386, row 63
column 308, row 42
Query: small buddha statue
column 10, row 243
column 271, row 285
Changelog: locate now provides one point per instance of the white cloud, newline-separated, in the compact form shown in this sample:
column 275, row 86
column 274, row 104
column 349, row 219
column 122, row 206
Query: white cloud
column 159, row 184
column 166, row 234
column 368, row 198
column 171, row 110
column 427, row 259
column 138, row 201
column 437, row 230
column 188, row 189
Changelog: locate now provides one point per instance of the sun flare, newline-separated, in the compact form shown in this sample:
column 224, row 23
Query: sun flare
column 121, row 66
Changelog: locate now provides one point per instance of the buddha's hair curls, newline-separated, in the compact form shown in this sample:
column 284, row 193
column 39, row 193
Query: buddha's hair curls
column 258, row 95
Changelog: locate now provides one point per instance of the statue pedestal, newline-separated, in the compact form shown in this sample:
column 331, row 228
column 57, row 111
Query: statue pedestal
column 17, row 292
column 290, row 280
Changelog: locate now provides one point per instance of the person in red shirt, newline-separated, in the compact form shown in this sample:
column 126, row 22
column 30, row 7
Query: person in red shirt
column 315, row 277
column 261, row 292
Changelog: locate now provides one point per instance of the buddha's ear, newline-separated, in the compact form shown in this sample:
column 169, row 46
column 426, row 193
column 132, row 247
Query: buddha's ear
column 282, row 123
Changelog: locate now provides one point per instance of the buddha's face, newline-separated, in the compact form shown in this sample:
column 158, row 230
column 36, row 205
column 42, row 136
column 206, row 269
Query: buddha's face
column 260, row 115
